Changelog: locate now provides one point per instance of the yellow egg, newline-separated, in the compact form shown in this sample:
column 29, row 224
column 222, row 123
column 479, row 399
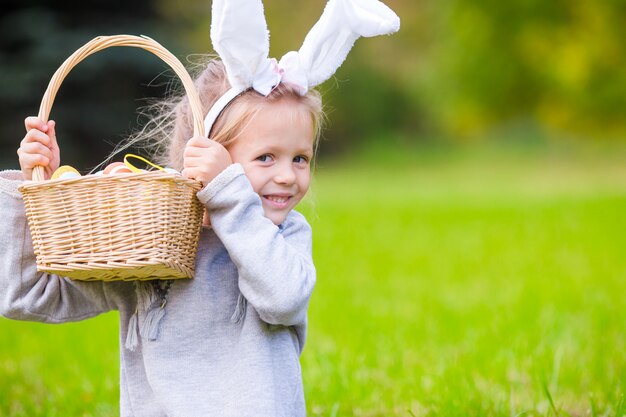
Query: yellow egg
column 63, row 170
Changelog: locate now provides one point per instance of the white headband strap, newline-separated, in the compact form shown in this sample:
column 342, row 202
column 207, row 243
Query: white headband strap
column 219, row 106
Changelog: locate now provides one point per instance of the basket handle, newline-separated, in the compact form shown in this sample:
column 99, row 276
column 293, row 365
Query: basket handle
column 102, row 42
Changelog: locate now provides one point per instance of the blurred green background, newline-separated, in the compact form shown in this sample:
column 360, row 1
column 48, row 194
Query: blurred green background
column 457, row 72
column 468, row 203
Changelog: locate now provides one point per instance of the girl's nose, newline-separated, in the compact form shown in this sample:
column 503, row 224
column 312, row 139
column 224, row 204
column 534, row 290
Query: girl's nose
column 285, row 175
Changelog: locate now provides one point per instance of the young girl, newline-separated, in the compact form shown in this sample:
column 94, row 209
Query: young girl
column 230, row 340
column 212, row 352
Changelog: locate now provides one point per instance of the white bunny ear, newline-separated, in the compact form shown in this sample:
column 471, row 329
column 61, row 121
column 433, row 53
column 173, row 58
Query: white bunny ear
column 240, row 37
column 327, row 44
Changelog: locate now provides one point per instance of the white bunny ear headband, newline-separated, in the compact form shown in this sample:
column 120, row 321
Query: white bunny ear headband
column 241, row 38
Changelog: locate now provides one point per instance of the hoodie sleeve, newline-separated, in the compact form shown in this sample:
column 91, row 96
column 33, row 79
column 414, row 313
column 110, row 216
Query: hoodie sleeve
column 25, row 293
column 276, row 271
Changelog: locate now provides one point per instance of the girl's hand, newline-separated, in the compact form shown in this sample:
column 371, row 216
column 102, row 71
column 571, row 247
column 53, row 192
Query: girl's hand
column 39, row 147
column 204, row 159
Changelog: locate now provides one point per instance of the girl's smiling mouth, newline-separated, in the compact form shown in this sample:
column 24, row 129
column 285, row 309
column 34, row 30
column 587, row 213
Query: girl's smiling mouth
column 277, row 200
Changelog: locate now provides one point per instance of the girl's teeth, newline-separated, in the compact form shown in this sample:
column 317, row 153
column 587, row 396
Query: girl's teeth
column 277, row 199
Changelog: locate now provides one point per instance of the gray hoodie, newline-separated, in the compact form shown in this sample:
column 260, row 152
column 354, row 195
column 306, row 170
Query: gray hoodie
column 230, row 340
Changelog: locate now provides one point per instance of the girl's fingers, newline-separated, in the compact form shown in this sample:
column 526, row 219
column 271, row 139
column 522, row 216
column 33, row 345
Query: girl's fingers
column 190, row 173
column 199, row 152
column 35, row 148
column 195, row 161
column 37, row 136
column 190, row 151
column 194, row 151
column 29, row 161
column 205, row 160
column 34, row 122
column 201, row 142
column 39, row 147
column 198, row 146
column 52, row 133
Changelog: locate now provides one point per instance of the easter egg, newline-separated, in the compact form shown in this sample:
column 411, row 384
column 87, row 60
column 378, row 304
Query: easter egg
column 121, row 170
column 68, row 175
column 64, row 171
column 117, row 168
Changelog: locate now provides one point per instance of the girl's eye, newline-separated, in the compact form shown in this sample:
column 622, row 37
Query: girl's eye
column 300, row 159
column 265, row 158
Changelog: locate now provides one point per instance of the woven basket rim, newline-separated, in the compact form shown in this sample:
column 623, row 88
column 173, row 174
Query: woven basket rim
column 121, row 177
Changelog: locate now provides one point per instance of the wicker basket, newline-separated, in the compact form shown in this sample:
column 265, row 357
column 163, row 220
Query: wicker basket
column 116, row 227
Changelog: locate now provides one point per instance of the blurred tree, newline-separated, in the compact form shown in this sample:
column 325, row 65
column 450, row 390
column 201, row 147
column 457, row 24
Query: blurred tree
column 96, row 104
column 559, row 64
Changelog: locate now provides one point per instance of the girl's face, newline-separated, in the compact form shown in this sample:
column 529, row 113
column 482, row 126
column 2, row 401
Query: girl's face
column 275, row 149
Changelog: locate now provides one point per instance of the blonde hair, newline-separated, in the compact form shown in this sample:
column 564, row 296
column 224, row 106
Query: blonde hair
column 171, row 123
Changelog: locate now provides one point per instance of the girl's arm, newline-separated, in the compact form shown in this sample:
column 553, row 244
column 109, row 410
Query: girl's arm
column 276, row 271
column 26, row 294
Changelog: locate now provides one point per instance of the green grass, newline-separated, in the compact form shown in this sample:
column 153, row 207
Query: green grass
column 450, row 283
